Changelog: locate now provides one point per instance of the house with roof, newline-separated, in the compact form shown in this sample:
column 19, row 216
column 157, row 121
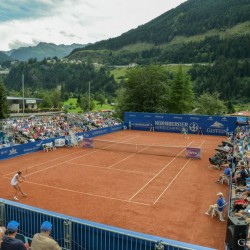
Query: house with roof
column 16, row 103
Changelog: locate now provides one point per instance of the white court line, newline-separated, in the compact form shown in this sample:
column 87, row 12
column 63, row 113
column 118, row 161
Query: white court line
column 55, row 159
column 174, row 178
column 85, row 193
column 114, row 169
column 171, row 182
column 158, row 173
column 79, row 151
column 129, row 156
column 101, row 149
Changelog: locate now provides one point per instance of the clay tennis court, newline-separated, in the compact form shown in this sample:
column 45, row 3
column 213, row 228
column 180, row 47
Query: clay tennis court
column 152, row 194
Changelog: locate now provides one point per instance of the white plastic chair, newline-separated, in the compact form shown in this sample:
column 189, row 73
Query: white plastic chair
column 226, row 178
column 216, row 211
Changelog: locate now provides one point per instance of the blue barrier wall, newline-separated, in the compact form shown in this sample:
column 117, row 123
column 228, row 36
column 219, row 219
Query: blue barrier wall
column 30, row 147
column 77, row 234
column 210, row 125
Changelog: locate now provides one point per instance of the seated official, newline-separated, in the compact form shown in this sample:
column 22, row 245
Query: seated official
column 220, row 205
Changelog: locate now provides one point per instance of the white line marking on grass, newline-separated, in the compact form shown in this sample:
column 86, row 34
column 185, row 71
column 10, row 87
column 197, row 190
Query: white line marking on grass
column 159, row 172
column 171, row 182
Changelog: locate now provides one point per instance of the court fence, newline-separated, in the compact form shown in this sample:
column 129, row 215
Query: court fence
column 78, row 234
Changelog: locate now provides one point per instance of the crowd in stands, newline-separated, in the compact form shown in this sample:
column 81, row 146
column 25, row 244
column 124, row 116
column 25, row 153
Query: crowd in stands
column 233, row 158
column 40, row 241
column 30, row 129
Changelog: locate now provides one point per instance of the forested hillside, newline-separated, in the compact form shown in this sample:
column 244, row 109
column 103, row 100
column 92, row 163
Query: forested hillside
column 70, row 78
column 196, row 31
column 212, row 36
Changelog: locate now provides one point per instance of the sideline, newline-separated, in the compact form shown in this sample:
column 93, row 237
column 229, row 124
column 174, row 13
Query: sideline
column 159, row 172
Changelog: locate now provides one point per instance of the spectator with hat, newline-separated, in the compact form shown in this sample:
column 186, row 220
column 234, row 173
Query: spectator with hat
column 43, row 240
column 226, row 174
column 220, row 205
column 9, row 241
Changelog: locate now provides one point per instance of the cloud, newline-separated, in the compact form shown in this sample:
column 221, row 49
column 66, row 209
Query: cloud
column 26, row 22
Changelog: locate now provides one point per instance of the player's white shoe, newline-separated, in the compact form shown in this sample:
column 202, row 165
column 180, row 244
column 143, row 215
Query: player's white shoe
column 16, row 199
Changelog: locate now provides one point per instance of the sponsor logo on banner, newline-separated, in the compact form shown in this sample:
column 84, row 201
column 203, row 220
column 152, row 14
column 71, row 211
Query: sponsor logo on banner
column 193, row 127
column 60, row 142
column 13, row 151
column 88, row 143
column 216, row 128
column 193, row 153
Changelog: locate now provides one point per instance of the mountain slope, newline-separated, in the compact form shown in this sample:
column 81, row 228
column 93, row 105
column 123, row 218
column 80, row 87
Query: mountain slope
column 194, row 17
column 4, row 57
column 43, row 50
column 195, row 31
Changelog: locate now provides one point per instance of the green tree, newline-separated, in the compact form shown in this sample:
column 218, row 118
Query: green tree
column 86, row 104
column 181, row 93
column 230, row 107
column 3, row 102
column 56, row 99
column 210, row 104
column 145, row 90
column 100, row 98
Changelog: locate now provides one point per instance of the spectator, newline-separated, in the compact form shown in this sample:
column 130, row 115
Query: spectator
column 240, row 177
column 220, row 205
column 9, row 241
column 43, row 241
column 226, row 173
column 2, row 232
column 245, row 212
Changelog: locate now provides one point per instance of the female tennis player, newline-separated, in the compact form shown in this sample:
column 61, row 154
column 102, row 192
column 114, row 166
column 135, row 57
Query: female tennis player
column 17, row 178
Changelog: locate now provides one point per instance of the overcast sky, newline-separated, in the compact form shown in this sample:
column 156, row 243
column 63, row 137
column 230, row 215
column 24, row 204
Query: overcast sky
column 27, row 22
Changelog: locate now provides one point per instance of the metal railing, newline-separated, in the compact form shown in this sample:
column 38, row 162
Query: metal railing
column 77, row 234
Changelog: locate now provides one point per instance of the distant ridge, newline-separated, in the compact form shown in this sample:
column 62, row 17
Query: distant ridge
column 43, row 50
column 4, row 57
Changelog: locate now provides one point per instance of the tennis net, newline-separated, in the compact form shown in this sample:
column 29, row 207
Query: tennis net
column 162, row 150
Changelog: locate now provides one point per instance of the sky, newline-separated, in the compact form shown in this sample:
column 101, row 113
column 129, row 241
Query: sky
column 25, row 23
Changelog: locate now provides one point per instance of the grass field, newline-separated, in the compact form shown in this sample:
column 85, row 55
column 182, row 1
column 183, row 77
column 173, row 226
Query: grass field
column 73, row 108
column 120, row 73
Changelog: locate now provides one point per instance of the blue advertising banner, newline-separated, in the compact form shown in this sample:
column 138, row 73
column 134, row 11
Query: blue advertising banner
column 210, row 125
column 30, row 147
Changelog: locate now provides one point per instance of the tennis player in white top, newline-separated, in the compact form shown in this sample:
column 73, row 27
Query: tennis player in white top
column 17, row 178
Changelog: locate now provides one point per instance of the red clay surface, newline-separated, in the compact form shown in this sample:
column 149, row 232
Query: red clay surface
column 158, row 195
